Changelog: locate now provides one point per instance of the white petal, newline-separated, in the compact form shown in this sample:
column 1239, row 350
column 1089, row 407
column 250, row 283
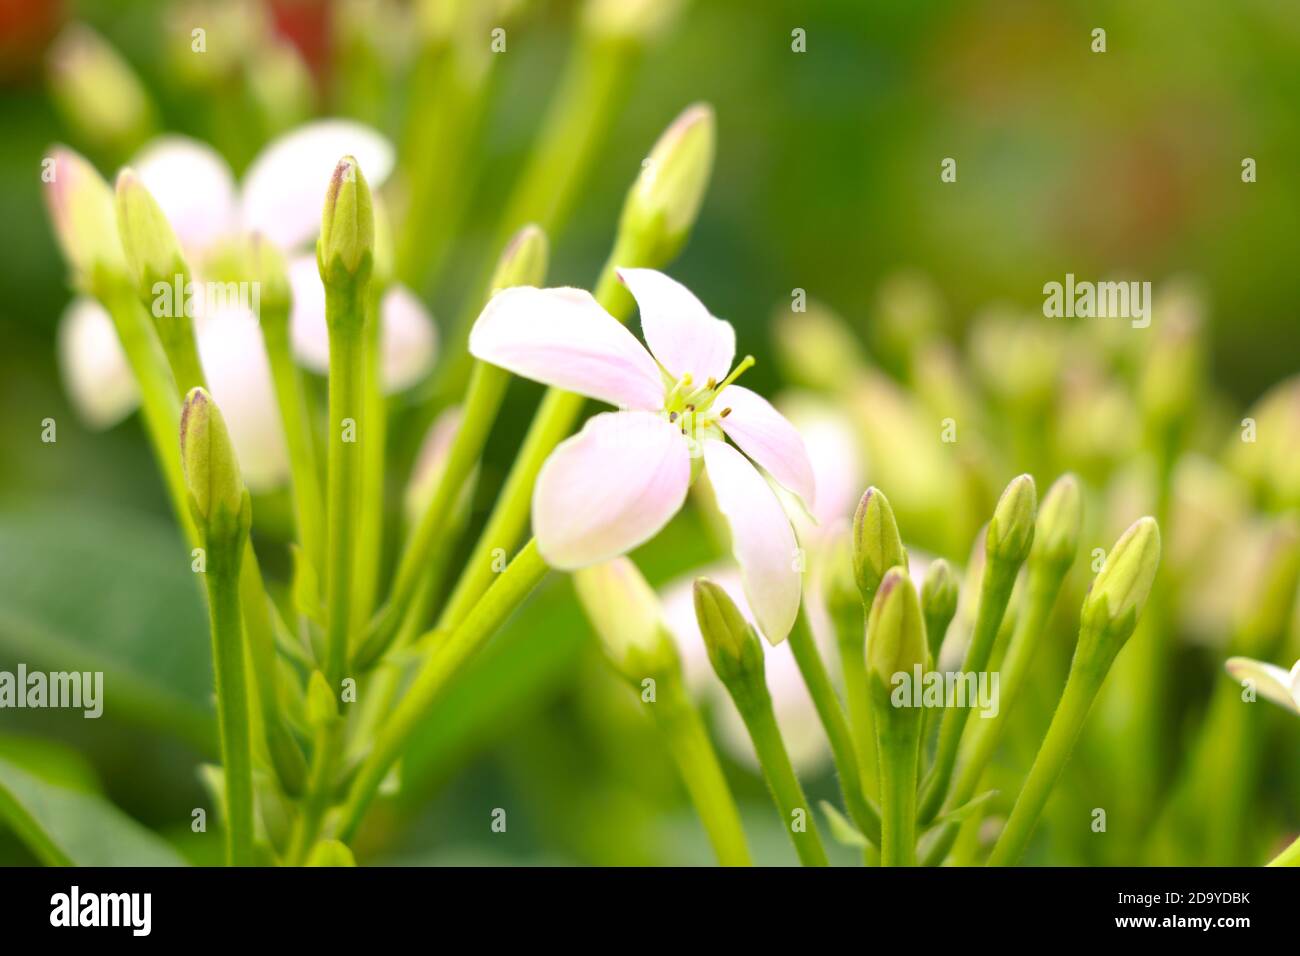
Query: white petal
column 95, row 370
column 239, row 377
column 311, row 340
column 681, row 333
column 835, row 453
column 195, row 188
column 761, row 539
column 410, row 339
column 766, row 436
column 609, row 488
column 284, row 189
column 562, row 337
column 1269, row 680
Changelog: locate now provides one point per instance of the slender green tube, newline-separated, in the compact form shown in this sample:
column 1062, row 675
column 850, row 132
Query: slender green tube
column 1081, row 689
column 796, row 815
column 897, row 732
column 836, row 726
column 510, row 589
column 851, row 634
column 370, row 527
column 325, row 748
column 995, row 592
column 309, row 507
column 1288, row 857
column 697, row 763
column 232, row 701
column 346, row 401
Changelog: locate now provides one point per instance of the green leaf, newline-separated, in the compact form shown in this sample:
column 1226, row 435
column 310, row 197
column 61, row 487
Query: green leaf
column 958, row 814
column 92, row 589
column 67, row 827
column 843, row 831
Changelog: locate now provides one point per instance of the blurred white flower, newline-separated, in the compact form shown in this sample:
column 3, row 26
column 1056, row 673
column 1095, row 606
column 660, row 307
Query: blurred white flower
column 94, row 367
column 1268, row 680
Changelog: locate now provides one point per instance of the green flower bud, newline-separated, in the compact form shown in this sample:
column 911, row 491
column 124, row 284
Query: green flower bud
column 322, row 704
column 152, row 250
column 628, row 20
column 1056, row 537
column 330, row 853
column 97, row 92
column 1011, row 530
column 665, row 199
column 1119, row 593
column 625, row 614
column 939, row 595
column 1263, row 449
column 877, row 546
column 218, row 498
column 895, row 628
column 734, row 648
column 523, row 261
column 345, row 251
column 85, row 223
column 266, row 268
column 815, row 347
column 1266, row 606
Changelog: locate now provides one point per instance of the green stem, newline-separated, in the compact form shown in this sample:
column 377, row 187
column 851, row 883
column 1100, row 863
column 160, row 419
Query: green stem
column 232, row 702
column 836, row 726
column 1081, row 689
column 306, row 828
column 755, row 709
column 551, row 424
column 995, row 592
column 309, row 508
column 897, row 732
column 486, row 391
column 697, row 763
column 346, row 400
column 370, row 530
column 510, row 589
column 1288, row 857
column 851, row 635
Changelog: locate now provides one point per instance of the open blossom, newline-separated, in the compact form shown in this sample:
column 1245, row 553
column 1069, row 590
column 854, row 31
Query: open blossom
column 617, row 482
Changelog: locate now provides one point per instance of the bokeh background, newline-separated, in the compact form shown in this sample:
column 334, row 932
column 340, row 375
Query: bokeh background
column 1123, row 164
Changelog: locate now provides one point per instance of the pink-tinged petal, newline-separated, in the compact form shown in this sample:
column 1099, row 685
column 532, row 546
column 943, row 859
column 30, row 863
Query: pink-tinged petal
column 609, row 488
column 284, row 188
column 410, row 339
column 239, row 377
column 835, row 453
column 194, row 187
column 562, row 337
column 95, row 370
column 311, row 340
column 767, row 436
column 681, row 333
column 761, row 539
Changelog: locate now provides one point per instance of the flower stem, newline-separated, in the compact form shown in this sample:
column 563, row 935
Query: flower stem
column 755, row 706
column 851, row 635
column 1288, row 857
column 897, row 732
column 309, row 507
column 1081, row 689
column 995, row 592
column 370, row 494
column 232, row 701
column 697, row 763
column 325, row 749
column 831, row 713
column 511, row 587
column 346, row 400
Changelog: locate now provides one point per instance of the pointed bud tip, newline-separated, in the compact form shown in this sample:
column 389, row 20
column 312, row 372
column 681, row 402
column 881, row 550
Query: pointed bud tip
column 877, row 545
column 1119, row 592
column 1056, row 537
column 524, row 260
column 211, row 469
column 1011, row 529
column 730, row 641
column 345, row 250
column 895, row 628
column 665, row 200
column 152, row 249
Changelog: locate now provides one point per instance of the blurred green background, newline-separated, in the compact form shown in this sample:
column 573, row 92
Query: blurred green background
column 1121, row 164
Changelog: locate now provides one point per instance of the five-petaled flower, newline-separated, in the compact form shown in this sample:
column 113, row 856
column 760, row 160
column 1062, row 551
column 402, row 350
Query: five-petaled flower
column 617, row 482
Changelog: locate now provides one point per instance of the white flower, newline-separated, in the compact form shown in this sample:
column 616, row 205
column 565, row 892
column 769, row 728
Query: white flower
column 616, row 483
column 95, row 370
column 1269, row 680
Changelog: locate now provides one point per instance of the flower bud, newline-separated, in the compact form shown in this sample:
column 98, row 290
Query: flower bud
column 665, row 199
column 85, row 223
column 877, row 546
column 322, row 705
column 1119, row 593
column 939, row 596
column 1011, row 530
column 1056, row 536
column 815, row 347
column 895, row 630
column 628, row 20
column 345, row 250
column 734, row 648
column 217, row 495
column 1269, row 596
column 523, row 261
column 152, row 250
column 625, row 614
column 97, row 92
